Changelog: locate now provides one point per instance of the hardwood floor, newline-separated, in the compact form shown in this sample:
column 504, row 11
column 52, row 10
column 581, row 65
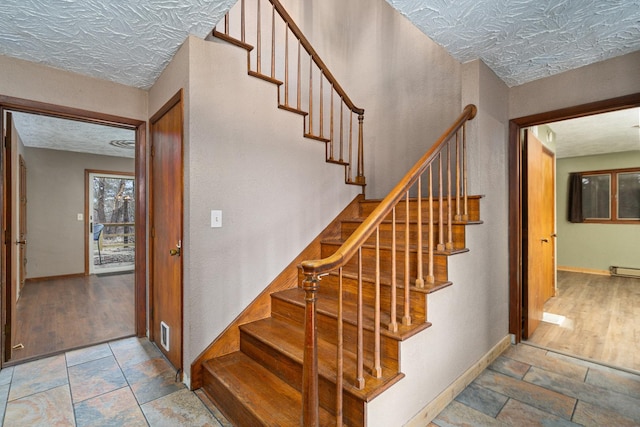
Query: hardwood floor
column 62, row 314
column 602, row 319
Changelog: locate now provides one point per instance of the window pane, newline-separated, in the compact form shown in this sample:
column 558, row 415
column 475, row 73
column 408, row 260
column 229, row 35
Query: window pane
column 629, row 195
column 596, row 193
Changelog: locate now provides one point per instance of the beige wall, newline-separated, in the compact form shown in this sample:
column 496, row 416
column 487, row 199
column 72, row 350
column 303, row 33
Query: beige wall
column 28, row 80
column 594, row 246
column 55, row 194
column 408, row 85
column 596, row 82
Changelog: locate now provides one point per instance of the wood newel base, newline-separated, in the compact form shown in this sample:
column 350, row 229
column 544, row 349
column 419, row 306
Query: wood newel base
column 310, row 400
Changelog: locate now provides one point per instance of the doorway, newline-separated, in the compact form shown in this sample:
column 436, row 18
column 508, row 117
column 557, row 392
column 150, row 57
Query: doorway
column 519, row 222
column 137, row 130
column 110, row 215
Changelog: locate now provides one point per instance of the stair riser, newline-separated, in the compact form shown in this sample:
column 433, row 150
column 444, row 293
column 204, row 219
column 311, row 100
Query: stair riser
column 368, row 263
column 290, row 371
column 473, row 208
column 328, row 330
column 386, row 234
column 227, row 401
column 417, row 300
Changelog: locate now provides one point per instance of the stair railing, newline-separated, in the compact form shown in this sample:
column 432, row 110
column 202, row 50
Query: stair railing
column 446, row 163
column 327, row 109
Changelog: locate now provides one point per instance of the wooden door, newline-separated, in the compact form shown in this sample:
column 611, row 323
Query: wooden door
column 533, row 292
column 548, row 216
column 166, row 230
column 22, row 222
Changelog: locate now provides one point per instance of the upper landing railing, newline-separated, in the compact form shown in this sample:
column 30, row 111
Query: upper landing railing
column 279, row 52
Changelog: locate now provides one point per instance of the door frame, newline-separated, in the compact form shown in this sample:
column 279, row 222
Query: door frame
column 517, row 193
column 176, row 100
column 8, row 103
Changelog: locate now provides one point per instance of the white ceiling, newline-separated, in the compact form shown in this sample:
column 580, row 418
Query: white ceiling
column 130, row 42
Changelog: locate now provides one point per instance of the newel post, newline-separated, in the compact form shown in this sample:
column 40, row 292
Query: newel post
column 360, row 179
column 310, row 402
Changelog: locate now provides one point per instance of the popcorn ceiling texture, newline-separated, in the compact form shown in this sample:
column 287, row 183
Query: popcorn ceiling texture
column 129, row 42
column 524, row 40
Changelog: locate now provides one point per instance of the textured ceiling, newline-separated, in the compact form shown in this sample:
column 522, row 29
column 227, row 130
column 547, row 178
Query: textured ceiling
column 603, row 133
column 125, row 41
column 69, row 135
column 130, row 42
column 524, row 40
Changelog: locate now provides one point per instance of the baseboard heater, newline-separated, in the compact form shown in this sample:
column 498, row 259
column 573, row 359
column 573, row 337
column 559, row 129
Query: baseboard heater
column 624, row 271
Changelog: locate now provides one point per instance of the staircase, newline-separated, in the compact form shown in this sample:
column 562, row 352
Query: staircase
column 324, row 338
column 261, row 383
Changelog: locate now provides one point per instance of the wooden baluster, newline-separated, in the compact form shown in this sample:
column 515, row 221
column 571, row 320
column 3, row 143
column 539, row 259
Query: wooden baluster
column 273, row 41
column 321, row 105
column 377, row 368
column 331, row 127
column 226, row 23
column 419, row 276
column 449, row 244
column 310, row 132
column 430, row 276
column 458, row 215
column 360, row 179
column 310, row 396
column 440, row 205
column 465, row 215
column 340, row 354
column 299, row 90
column 349, row 173
column 393, row 324
column 286, row 65
column 242, row 22
column 360, row 336
column 258, row 41
column 406, row 319
column 341, row 130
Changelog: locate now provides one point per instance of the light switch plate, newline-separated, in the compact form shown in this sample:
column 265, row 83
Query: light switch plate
column 80, row 217
column 216, row 219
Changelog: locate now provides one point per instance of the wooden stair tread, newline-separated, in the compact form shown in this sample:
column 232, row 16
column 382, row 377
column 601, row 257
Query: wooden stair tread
column 261, row 392
column 368, row 276
column 327, row 305
column 399, row 246
column 289, row 340
column 425, row 221
column 230, row 39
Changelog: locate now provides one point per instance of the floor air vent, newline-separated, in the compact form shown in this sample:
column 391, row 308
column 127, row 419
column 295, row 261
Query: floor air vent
column 624, row 271
column 164, row 335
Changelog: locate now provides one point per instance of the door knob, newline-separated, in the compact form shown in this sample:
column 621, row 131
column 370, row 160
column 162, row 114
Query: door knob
column 545, row 240
column 21, row 242
column 176, row 251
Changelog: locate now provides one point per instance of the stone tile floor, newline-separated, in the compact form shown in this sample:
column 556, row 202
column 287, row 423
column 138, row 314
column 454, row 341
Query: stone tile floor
column 530, row 386
column 128, row 383
column 122, row 383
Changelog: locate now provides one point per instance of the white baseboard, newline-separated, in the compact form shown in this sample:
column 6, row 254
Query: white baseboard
column 429, row 412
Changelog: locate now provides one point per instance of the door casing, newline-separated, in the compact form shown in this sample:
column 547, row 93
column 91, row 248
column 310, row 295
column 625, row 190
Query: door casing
column 8, row 103
column 517, row 263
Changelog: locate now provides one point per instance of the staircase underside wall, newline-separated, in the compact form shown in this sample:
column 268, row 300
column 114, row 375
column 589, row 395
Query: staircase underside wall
column 247, row 158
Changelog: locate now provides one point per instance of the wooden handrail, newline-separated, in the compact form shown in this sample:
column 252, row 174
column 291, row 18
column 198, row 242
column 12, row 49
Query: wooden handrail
column 362, row 233
column 352, row 247
column 320, row 79
column 316, row 58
